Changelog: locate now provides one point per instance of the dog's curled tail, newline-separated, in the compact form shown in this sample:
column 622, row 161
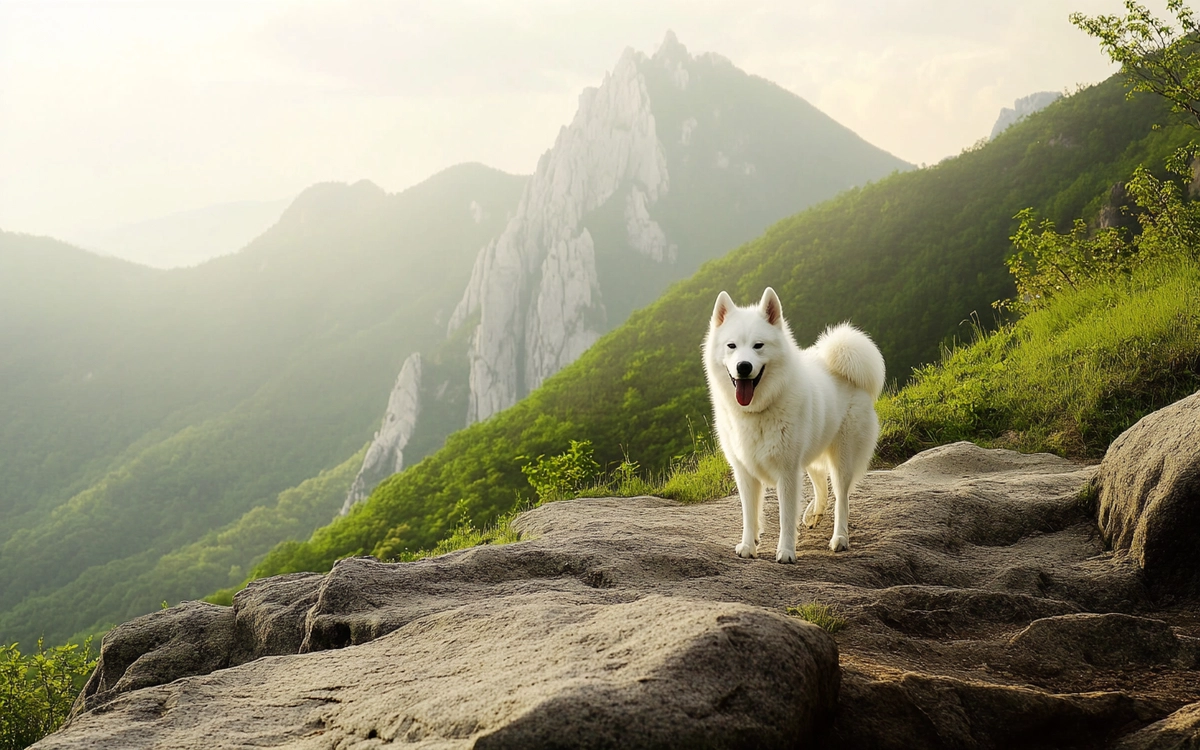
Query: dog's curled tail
column 851, row 354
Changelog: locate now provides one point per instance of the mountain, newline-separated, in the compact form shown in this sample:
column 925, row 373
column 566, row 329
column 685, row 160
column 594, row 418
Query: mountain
column 186, row 238
column 910, row 259
column 671, row 161
column 144, row 411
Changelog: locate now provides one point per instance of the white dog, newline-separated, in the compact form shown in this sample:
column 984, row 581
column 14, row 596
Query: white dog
column 781, row 410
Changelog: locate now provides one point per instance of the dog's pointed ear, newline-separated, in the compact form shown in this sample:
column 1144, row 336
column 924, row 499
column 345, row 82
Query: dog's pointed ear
column 721, row 309
column 770, row 307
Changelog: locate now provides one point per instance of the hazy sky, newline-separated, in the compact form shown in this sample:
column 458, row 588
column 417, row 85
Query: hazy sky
column 115, row 112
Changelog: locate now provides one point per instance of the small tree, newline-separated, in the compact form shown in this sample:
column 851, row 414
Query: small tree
column 1155, row 55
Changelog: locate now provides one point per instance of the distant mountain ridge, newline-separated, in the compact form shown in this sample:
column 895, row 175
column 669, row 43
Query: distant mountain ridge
column 185, row 238
column 144, row 411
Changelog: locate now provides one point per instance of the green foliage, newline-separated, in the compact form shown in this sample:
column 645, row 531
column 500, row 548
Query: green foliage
column 38, row 689
column 823, row 616
column 1047, row 262
column 465, row 536
column 563, row 475
column 1154, row 55
column 701, row 475
column 705, row 475
column 907, row 259
column 1066, row 378
column 1170, row 224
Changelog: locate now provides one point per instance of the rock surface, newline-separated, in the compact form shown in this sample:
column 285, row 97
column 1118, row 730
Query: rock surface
column 1149, row 490
column 385, row 455
column 1179, row 731
column 983, row 612
column 1022, row 108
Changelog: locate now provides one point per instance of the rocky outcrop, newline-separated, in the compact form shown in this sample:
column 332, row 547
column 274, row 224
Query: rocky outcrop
column 1149, row 495
column 1022, row 108
column 535, row 287
column 1179, row 731
column 630, row 622
column 385, row 456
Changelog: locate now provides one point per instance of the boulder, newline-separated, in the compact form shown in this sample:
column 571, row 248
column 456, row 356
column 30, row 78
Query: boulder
column 1179, row 731
column 1149, row 495
column 537, row 670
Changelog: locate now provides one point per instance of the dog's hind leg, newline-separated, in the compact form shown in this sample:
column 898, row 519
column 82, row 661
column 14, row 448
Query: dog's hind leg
column 818, row 474
column 843, row 481
column 849, row 459
column 751, row 492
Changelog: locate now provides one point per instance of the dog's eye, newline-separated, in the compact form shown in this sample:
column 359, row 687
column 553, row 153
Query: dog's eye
column 758, row 345
column 731, row 345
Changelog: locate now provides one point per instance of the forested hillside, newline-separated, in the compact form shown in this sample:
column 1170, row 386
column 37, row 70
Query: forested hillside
column 145, row 409
column 909, row 259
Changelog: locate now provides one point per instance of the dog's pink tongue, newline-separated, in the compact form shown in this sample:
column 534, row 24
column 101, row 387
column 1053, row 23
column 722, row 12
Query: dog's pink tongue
column 744, row 391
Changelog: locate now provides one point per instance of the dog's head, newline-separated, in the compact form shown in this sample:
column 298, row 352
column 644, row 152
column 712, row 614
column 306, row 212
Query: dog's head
column 743, row 342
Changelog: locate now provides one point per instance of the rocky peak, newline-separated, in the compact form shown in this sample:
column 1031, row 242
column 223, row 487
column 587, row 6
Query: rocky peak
column 1022, row 108
column 385, row 456
column 535, row 287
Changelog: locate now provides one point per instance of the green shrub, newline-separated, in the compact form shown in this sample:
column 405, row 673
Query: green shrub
column 558, row 477
column 37, row 690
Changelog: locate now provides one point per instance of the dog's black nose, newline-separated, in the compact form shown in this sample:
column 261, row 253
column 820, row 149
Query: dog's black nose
column 744, row 369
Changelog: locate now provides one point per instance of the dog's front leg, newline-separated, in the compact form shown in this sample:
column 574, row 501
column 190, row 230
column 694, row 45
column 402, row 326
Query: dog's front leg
column 791, row 490
column 751, row 492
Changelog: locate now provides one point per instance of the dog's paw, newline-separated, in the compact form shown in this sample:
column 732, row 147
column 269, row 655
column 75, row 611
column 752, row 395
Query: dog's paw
column 811, row 517
column 839, row 544
column 746, row 550
column 784, row 556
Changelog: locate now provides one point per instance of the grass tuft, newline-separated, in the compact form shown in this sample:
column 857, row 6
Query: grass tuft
column 823, row 616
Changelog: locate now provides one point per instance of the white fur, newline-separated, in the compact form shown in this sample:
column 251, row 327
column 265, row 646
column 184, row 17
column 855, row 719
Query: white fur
column 812, row 411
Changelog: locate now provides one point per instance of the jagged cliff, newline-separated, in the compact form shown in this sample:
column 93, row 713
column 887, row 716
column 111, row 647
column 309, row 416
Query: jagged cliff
column 385, row 456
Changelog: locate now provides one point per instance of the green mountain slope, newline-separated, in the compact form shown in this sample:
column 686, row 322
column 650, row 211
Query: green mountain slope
column 144, row 409
column 908, row 259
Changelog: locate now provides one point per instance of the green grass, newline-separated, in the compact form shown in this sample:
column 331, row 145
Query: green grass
column 822, row 615
column 698, row 477
column 466, row 535
column 1066, row 379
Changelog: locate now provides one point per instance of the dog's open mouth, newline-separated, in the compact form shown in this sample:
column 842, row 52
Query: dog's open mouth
column 743, row 388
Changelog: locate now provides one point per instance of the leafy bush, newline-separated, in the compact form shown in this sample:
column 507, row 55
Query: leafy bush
column 37, row 691
column 560, row 476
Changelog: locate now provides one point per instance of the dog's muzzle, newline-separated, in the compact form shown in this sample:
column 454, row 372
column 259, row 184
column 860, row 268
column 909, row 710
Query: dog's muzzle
column 743, row 388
